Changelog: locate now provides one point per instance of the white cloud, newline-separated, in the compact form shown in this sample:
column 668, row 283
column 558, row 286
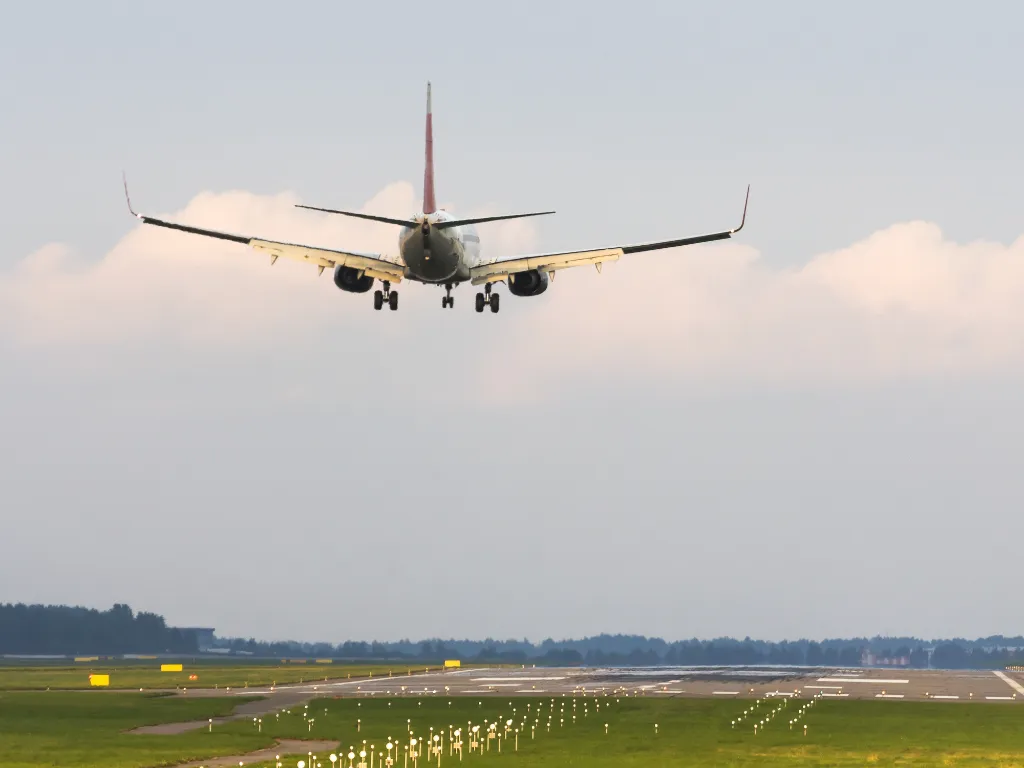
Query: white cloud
column 903, row 301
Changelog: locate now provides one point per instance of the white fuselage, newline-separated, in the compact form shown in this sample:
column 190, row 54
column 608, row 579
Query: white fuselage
column 434, row 255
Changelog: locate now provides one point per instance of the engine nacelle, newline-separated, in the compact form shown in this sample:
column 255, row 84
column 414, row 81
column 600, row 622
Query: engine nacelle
column 533, row 282
column 349, row 279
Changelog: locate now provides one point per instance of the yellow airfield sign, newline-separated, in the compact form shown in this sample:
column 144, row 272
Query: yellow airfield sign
column 170, row 667
column 99, row 681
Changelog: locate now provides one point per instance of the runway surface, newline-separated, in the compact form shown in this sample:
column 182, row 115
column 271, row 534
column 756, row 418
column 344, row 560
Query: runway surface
column 662, row 682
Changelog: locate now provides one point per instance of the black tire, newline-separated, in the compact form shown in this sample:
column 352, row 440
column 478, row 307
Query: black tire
column 393, row 300
column 494, row 302
column 378, row 299
column 444, row 302
column 479, row 302
column 451, row 302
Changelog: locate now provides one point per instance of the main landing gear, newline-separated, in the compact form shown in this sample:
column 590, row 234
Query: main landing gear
column 387, row 295
column 447, row 301
column 487, row 298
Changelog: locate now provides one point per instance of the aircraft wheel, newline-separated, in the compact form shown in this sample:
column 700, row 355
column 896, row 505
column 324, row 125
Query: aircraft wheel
column 393, row 300
column 378, row 299
column 479, row 302
column 494, row 302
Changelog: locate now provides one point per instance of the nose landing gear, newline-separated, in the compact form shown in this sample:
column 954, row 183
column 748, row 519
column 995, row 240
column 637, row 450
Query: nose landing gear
column 487, row 299
column 447, row 301
column 387, row 295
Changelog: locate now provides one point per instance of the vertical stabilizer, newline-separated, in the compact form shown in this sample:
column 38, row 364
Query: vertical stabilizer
column 429, row 203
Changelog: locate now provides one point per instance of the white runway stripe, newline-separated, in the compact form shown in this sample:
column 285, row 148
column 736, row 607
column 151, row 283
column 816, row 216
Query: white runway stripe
column 513, row 677
column 872, row 680
column 1010, row 681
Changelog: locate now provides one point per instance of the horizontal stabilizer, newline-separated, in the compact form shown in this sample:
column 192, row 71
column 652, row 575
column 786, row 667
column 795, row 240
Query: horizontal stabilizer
column 485, row 219
column 381, row 219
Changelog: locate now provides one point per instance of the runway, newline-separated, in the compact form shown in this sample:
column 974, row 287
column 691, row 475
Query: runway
column 661, row 682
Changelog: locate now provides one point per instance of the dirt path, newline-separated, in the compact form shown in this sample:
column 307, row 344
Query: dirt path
column 283, row 747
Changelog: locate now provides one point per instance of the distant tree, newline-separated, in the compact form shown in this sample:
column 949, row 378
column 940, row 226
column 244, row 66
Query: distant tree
column 950, row 656
column 815, row 656
column 63, row 630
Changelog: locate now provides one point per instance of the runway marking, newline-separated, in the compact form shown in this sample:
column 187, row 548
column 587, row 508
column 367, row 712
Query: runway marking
column 514, row 677
column 945, row 697
column 893, row 696
column 655, row 685
column 1010, row 681
column 873, row 680
column 836, row 695
column 531, row 690
column 824, row 687
column 787, row 694
column 725, row 693
column 1000, row 698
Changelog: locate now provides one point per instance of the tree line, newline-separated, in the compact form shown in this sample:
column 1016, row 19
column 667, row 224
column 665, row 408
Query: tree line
column 633, row 650
column 63, row 630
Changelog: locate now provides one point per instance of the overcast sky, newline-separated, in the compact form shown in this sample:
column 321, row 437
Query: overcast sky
column 812, row 430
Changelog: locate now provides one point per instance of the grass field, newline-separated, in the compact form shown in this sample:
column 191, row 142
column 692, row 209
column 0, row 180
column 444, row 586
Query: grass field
column 85, row 729
column 149, row 676
column 691, row 732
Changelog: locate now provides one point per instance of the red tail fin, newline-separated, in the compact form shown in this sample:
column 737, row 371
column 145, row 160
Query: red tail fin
column 429, row 203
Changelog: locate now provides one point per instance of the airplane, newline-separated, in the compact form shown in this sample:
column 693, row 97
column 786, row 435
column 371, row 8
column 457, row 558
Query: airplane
column 439, row 249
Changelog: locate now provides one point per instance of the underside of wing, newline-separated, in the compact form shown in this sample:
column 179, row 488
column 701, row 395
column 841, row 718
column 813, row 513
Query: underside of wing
column 370, row 264
column 491, row 272
column 500, row 269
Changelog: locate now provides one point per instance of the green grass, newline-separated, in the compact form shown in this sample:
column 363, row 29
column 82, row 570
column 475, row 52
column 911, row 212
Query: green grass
column 86, row 729
column 692, row 732
column 148, row 676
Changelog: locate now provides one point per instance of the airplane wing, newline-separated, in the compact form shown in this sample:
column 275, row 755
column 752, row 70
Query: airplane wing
column 493, row 271
column 371, row 264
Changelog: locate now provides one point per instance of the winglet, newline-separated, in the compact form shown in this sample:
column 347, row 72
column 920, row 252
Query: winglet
column 127, row 197
column 743, row 221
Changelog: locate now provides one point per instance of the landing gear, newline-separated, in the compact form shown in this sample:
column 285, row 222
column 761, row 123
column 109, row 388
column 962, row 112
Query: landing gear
column 487, row 299
column 391, row 297
column 447, row 300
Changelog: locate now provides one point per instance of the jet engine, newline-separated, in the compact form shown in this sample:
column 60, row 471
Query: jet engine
column 352, row 280
column 533, row 282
